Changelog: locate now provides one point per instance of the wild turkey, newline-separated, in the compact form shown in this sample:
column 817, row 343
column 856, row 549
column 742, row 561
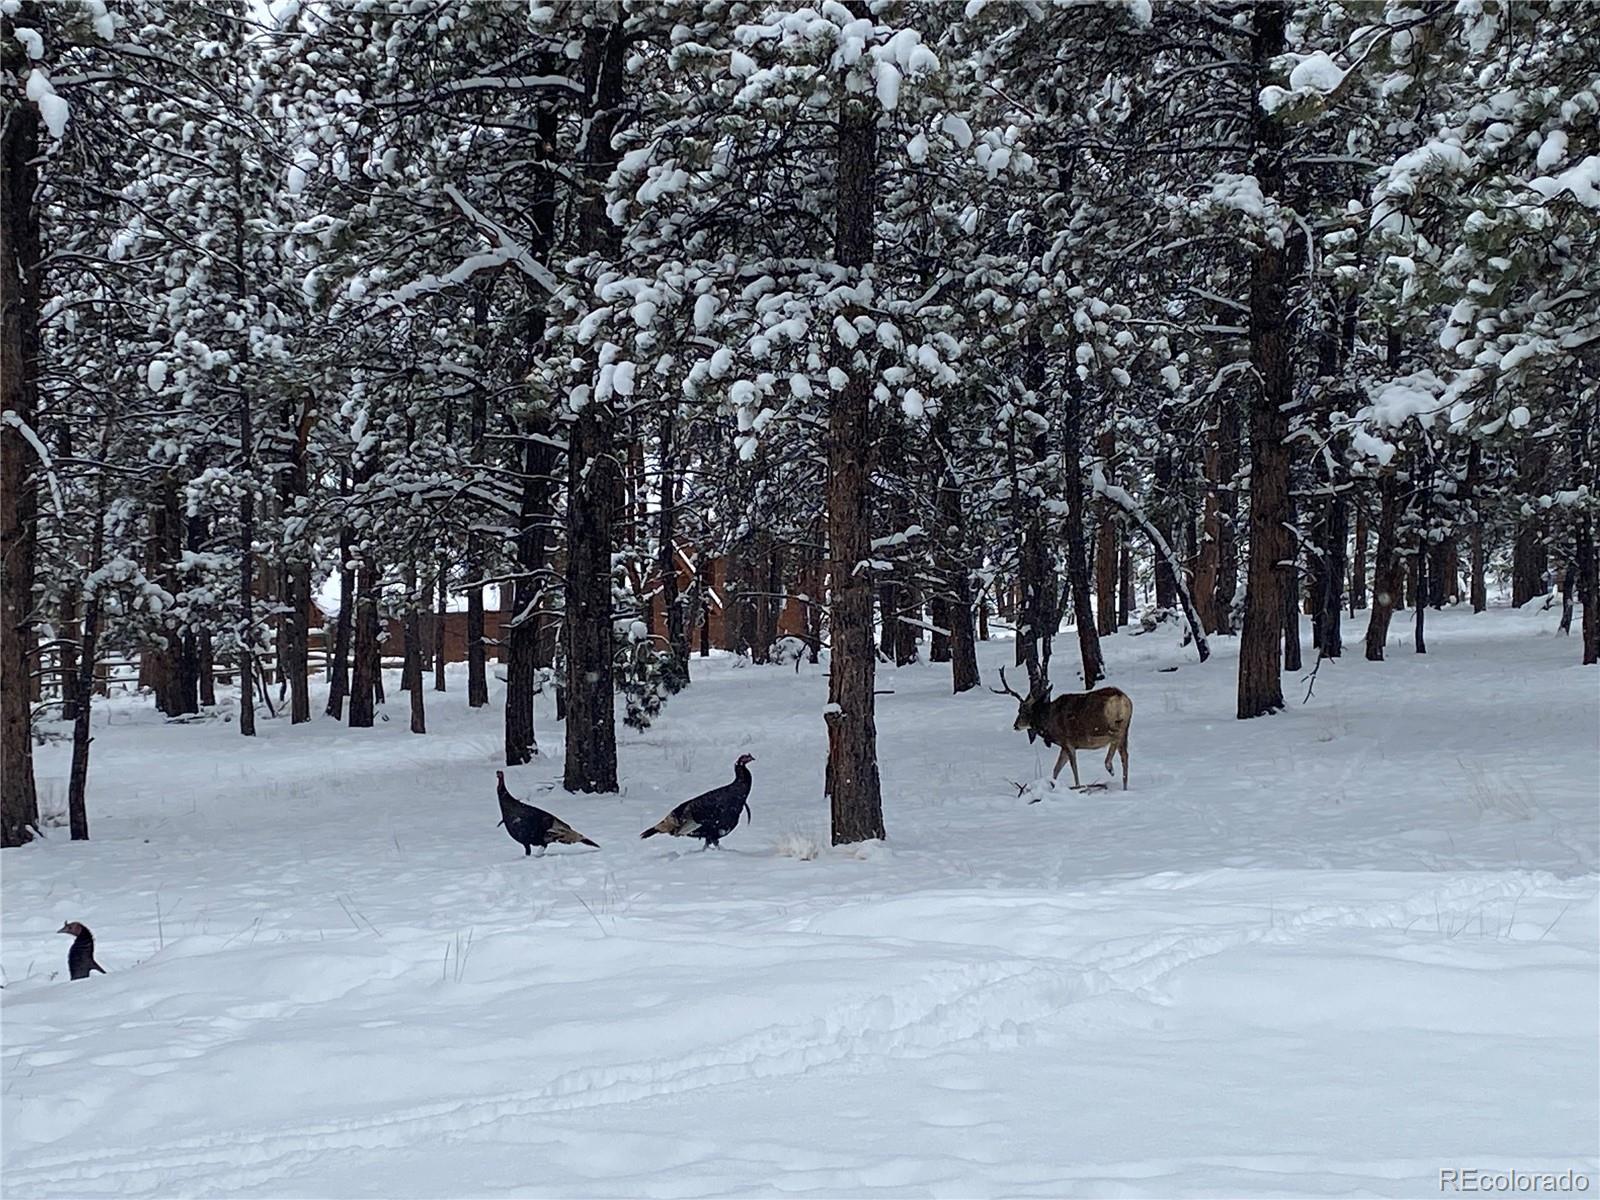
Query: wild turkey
column 530, row 826
column 80, row 959
column 712, row 815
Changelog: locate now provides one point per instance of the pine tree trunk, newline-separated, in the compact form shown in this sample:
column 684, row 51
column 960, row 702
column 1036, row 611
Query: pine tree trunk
column 667, row 551
column 1291, row 590
column 523, row 629
column 1206, row 567
column 1271, row 335
column 1421, row 573
column 1386, row 582
column 247, row 583
column 1358, row 566
column 1105, row 553
column 777, row 594
column 171, row 678
column 365, row 674
column 705, row 582
column 20, row 254
column 1094, row 667
column 886, row 621
column 442, row 592
column 856, row 801
column 1330, row 602
column 592, row 482
column 413, row 654
column 591, row 764
column 1589, row 590
column 1125, row 600
column 206, row 663
column 1530, row 560
column 1477, row 585
column 197, row 532
column 339, row 665
column 939, row 644
column 523, row 633
column 78, row 772
column 1229, row 436
column 1166, row 583
column 72, row 636
column 955, row 608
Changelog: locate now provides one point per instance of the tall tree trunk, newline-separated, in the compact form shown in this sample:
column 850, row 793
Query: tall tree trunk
column 339, row 663
column 171, row 678
column 20, row 255
column 1105, row 552
column 1291, row 590
column 71, row 639
column 206, row 663
column 523, row 633
column 1166, row 584
column 1227, row 527
column 1477, row 586
column 294, row 647
column 1330, row 604
column 525, row 625
column 856, row 800
column 413, row 652
column 1530, row 560
column 952, row 559
column 1271, row 336
column 1424, row 494
column 247, row 500
column 1206, row 567
column 591, row 764
column 440, row 625
column 366, row 669
column 247, row 582
column 667, row 553
column 706, row 583
column 78, row 773
column 1589, row 590
column 939, row 644
column 1035, row 608
column 1094, row 667
column 1126, row 603
column 1386, row 582
column 1358, row 566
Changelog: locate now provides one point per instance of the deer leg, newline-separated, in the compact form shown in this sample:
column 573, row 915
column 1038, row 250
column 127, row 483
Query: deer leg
column 1122, row 749
column 1067, row 756
column 1111, row 752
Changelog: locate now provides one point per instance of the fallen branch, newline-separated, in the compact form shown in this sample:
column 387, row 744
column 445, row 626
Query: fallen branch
column 1129, row 505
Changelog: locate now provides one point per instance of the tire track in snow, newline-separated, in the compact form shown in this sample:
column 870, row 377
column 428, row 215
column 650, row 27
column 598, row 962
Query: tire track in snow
column 980, row 1000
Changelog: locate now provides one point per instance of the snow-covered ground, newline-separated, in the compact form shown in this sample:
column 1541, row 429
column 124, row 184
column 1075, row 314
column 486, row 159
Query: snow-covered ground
column 1330, row 952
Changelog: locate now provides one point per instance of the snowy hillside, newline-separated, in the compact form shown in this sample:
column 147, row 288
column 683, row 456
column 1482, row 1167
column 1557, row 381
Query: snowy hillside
column 1327, row 952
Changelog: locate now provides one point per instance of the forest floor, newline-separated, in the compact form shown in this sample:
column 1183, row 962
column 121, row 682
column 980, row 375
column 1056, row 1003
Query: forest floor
column 1333, row 951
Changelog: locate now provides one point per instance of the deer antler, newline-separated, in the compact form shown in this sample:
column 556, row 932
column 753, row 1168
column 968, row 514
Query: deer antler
column 1005, row 688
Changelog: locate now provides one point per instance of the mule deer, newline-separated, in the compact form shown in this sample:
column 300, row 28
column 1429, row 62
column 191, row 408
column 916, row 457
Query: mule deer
column 1082, row 721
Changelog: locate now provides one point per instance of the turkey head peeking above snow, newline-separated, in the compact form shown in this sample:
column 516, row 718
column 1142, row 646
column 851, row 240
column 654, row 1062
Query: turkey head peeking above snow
column 712, row 815
column 530, row 826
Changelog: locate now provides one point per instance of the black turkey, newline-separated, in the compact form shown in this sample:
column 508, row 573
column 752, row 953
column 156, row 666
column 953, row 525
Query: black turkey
column 712, row 815
column 80, row 959
column 530, row 826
